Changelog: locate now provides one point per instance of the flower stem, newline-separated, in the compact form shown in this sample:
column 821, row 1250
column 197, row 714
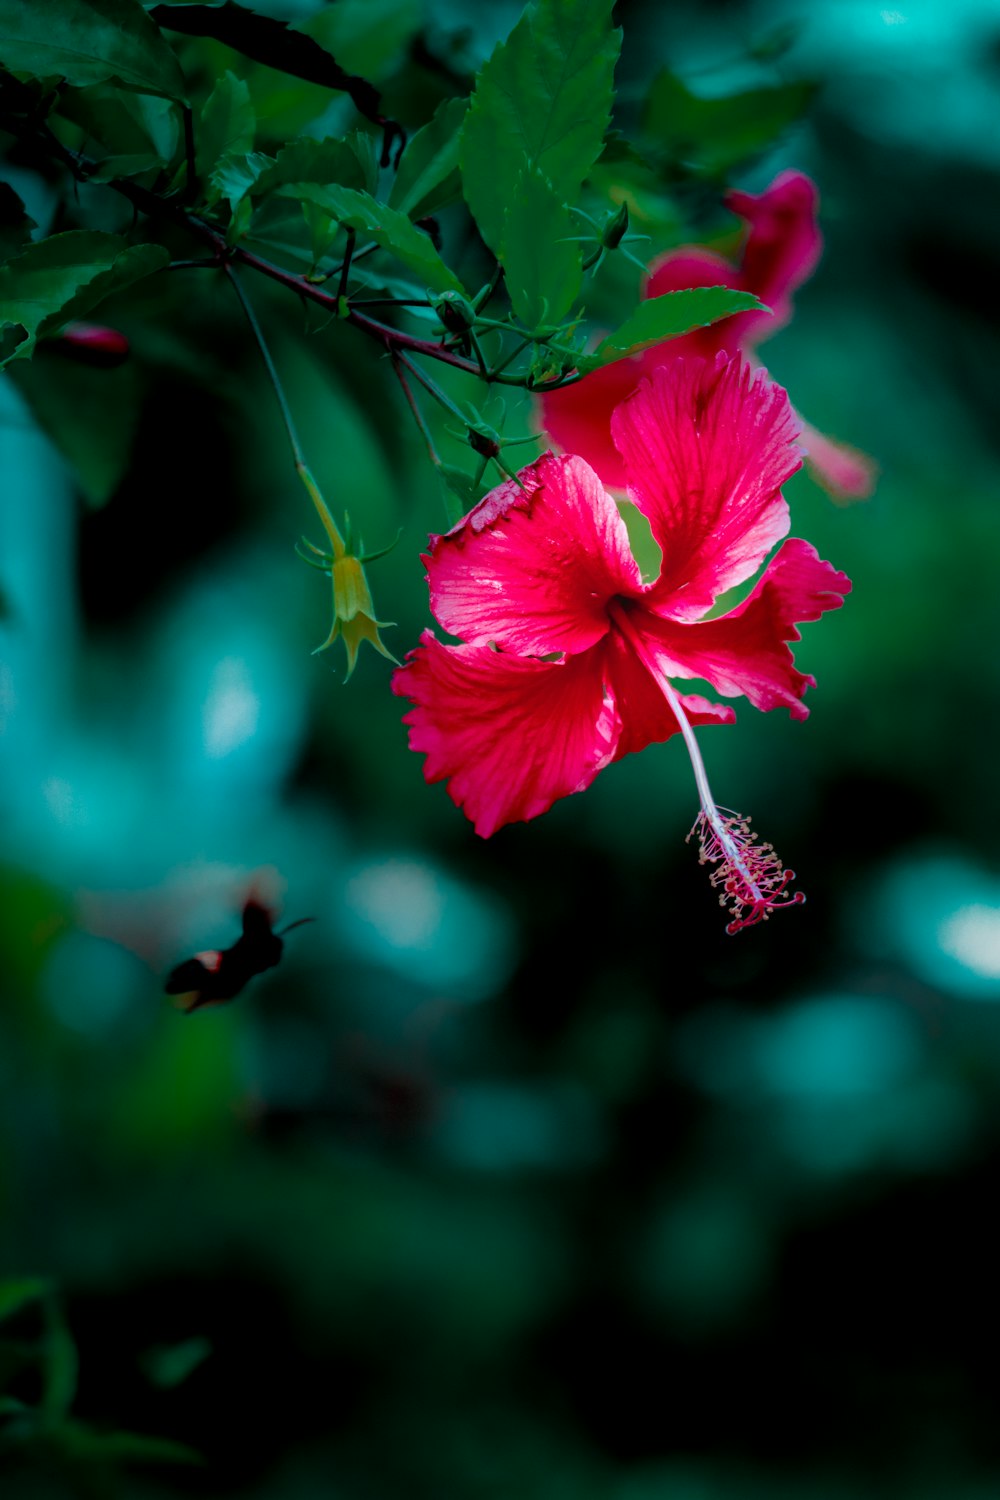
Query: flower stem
column 298, row 458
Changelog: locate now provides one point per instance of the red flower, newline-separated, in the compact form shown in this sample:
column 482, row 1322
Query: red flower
column 567, row 656
column 781, row 251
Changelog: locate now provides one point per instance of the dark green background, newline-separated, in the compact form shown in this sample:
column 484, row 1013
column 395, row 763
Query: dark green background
column 520, row 1178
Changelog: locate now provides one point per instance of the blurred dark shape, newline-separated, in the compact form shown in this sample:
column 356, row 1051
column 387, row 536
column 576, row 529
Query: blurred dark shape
column 91, row 344
column 218, row 975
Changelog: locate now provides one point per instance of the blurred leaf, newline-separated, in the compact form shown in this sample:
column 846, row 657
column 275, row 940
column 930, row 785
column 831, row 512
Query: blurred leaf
column 18, row 1293
column 272, row 42
column 666, row 317
column 366, row 35
column 90, row 416
column 716, row 134
column 543, row 97
column 428, row 175
column 391, row 229
column 61, row 1362
column 227, row 131
column 82, row 1442
column 87, row 41
column 346, row 162
column 543, row 265
column 15, row 225
column 169, row 1365
column 65, row 276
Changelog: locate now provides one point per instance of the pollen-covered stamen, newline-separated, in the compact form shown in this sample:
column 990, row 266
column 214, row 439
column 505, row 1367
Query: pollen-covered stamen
column 750, row 878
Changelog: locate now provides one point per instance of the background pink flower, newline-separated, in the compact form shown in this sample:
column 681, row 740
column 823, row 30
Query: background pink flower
column 781, row 251
column 566, row 656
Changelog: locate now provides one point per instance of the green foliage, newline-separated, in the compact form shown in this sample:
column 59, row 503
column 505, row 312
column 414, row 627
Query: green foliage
column 543, row 283
column 228, row 123
column 542, row 100
column 88, row 41
column 428, row 177
column 667, row 317
column 15, row 225
column 387, row 226
column 91, row 418
column 65, row 276
column 346, row 162
column 715, row 135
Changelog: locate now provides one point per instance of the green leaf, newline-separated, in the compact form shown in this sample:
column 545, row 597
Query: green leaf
column 542, row 264
column 88, row 41
column 227, row 131
column 387, row 226
column 366, row 37
column 238, row 175
column 543, row 97
column 716, row 134
column 15, row 225
column 428, row 175
column 169, row 1365
column 83, row 1443
column 61, row 1363
column 62, row 278
column 20, row 1292
column 125, row 124
column 666, row 317
column 91, row 416
column 348, row 162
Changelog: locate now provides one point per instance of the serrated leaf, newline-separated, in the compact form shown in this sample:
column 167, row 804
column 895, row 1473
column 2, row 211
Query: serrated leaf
column 428, row 175
column 542, row 264
column 543, row 97
column 717, row 134
column 387, row 226
column 238, row 175
column 274, row 43
column 15, row 228
column 91, row 417
column 348, row 162
column 88, row 41
column 366, row 36
column 666, row 317
column 226, row 133
column 62, row 278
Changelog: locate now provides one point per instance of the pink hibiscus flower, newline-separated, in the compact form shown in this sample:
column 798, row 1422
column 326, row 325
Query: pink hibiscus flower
column 567, row 656
column 781, row 251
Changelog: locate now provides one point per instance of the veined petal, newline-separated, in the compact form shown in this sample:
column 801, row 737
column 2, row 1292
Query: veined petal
column 578, row 417
column 645, row 715
column 533, row 568
column 745, row 651
column 510, row 735
column 707, row 447
column 783, row 246
column 845, row 473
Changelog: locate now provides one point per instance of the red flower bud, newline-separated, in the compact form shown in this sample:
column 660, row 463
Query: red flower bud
column 92, row 344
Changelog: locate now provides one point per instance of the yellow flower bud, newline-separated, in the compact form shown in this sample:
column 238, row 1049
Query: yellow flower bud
column 353, row 612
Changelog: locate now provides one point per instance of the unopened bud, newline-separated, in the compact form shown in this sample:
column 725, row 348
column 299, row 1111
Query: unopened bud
column 92, row 344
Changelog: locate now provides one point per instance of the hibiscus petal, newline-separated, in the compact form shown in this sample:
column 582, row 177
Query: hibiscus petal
column 511, row 735
column 578, row 418
column 646, row 716
column 783, row 246
column 707, row 448
column 533, row 569
column 845, row 473
column 744, row 651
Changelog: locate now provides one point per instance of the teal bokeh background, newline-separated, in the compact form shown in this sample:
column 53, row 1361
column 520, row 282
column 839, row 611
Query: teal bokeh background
column 519, row 1177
